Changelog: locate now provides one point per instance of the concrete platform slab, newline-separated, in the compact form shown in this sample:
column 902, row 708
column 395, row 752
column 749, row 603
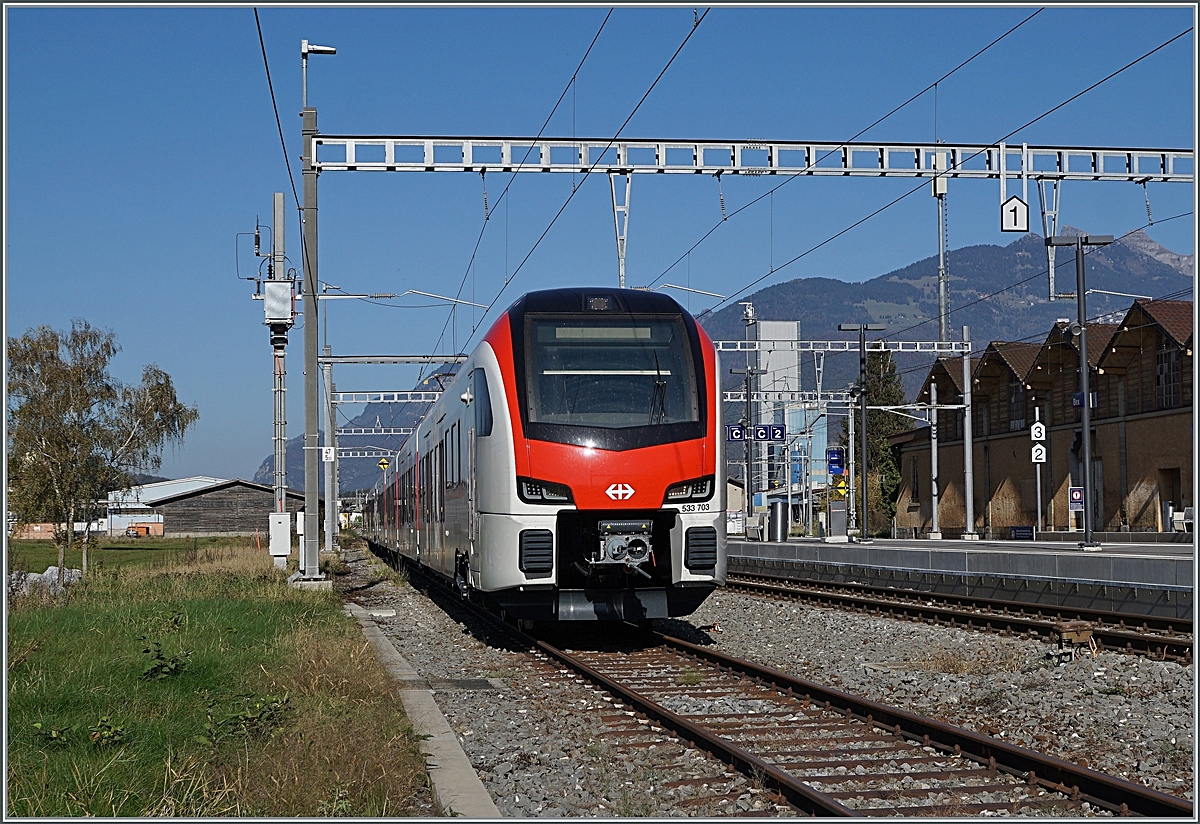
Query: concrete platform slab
column 456, row 786
column 1140, row 580
column 1145, row 565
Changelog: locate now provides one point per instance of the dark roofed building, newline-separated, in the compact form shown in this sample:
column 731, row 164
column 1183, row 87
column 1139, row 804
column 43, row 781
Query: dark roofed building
column 1142, row 430
column 229, row 508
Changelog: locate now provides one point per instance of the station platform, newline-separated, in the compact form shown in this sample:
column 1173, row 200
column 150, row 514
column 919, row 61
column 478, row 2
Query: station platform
column 1140, row 579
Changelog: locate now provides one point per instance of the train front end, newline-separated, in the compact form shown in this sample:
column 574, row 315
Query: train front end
column 615, row 495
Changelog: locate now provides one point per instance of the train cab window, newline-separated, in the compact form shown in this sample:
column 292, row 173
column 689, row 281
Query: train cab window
column 483, row 404
column 611, row 372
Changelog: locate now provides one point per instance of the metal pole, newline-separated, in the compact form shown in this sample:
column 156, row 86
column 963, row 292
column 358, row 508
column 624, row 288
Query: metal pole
column 787, row 468
column 864, row 529
column 1037, row 416
column 309, row 561
column 939, row 191
column 968, row 461
column 334, row 497
column 748, row 319
column 851, row 509
column 279, row 272
column 936, row 531
column 327, row 466
column 943, row 309
column 1084, row 385
column 808, row 484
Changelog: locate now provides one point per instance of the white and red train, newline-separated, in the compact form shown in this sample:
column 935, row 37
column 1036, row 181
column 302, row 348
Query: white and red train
column 574, row 469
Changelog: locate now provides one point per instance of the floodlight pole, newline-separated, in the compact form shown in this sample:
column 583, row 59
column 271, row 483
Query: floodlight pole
column 1079, row 241
column 862, row 329
column 309, row 553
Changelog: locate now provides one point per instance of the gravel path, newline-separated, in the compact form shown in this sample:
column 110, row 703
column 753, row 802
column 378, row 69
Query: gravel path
column 547, row 744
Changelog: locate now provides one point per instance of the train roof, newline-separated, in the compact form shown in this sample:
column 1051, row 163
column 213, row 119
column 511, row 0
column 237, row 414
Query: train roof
column 597, row 299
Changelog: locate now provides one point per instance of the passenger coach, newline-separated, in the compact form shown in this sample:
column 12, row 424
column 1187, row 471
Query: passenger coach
column 574, row 469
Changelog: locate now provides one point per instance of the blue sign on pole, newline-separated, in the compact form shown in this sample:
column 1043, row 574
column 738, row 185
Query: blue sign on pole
column 762, row 433
column 778, row 432
column 1077, row 400
column 836, row 457
column 733, row 432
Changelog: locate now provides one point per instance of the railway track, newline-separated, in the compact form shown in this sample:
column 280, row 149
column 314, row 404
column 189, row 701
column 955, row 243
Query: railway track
column 1161, row 638
column 828, row 753
column 833, row 754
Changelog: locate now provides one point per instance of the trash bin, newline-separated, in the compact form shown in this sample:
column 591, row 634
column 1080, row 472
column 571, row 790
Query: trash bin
column 777, row 529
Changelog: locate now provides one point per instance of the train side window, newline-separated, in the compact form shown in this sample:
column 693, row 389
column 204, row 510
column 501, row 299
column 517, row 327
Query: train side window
column 483, row 405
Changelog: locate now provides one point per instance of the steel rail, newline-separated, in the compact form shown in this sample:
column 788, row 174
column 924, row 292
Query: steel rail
column 1052, row 773
column 1111, row 630
column 797, row 793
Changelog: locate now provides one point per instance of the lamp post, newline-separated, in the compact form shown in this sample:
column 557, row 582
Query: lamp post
column 1079, row 241
column 862, row 329
column 309, row 551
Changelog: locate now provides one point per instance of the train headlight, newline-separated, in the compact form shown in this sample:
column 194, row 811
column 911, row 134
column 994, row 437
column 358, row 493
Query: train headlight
column 543, row 492
column 699, row 489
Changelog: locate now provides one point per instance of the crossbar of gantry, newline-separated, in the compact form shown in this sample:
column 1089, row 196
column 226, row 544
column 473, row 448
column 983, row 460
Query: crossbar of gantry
column 365, row 453
column 383, row 397
column 374, row 430
column 949, row 347
column 365, row 153
column 808, row 399
column 436, row 359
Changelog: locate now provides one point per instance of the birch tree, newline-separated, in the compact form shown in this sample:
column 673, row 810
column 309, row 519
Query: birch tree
column 76, row 433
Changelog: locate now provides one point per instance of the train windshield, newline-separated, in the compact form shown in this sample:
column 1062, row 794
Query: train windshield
column 609, row 373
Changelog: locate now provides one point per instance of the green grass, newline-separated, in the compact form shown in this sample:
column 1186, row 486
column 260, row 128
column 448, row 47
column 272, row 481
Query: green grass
column 36, row 556
column 200, row 684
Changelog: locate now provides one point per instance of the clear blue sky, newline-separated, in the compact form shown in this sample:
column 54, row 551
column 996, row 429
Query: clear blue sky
column 139, row 141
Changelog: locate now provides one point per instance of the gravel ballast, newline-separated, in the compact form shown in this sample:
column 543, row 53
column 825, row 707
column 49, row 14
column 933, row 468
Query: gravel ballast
column 545, row 743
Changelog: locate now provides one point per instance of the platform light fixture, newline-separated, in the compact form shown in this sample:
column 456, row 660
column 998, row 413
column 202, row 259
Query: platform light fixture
column 1080, row 241
column 306, row 49
column 862, row 329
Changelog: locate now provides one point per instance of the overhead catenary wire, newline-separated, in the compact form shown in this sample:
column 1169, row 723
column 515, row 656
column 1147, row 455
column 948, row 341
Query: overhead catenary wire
column 575, row 189
column 839, row 147
column 1031, row 338
column 1022, row 282
column 741, row 290
column 504, row 193
column 312, row 290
